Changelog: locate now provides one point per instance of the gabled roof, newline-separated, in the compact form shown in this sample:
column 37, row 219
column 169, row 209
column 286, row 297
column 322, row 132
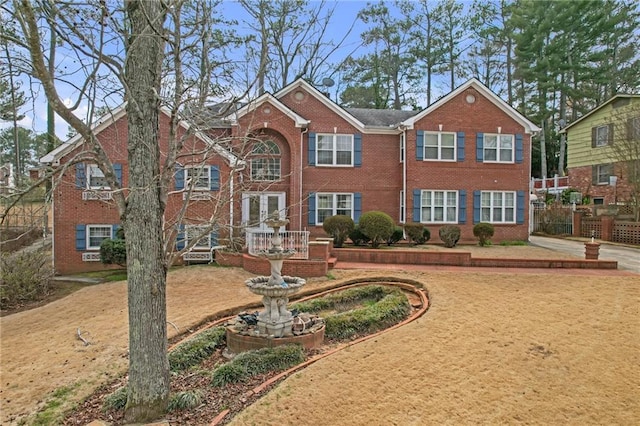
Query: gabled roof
column 370, row 121
column 529, row 127
column 598, row 108
column 269, row 98
column 116, row 114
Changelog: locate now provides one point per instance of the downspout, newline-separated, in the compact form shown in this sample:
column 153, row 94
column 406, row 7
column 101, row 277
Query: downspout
column 302, row 133
column 404, row 173
column 231, row 198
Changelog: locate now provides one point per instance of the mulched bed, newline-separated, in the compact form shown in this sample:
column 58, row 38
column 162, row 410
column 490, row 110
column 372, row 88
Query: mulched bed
column 234, row 397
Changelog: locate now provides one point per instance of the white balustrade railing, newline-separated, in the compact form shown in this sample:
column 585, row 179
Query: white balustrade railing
column 259, row 241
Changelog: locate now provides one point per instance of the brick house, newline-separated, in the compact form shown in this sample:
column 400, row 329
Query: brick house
column 595, row 144
column 462, row 160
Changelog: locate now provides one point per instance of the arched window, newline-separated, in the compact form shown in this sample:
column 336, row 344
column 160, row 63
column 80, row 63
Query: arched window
column 265, row 161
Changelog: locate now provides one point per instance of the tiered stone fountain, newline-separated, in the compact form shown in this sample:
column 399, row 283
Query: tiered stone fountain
column 275, row 325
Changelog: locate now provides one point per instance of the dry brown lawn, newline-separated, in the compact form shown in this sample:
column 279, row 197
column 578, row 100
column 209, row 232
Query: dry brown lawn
column 495, row 347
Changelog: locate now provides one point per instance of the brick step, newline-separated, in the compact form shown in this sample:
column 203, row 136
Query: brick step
column 331, row 262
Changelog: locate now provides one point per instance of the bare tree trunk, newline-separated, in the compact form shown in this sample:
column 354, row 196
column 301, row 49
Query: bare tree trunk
column 148, row 388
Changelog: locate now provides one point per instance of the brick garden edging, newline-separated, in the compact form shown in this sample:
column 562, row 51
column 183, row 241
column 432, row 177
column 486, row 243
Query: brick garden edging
column 422, row 257
column 319, row 267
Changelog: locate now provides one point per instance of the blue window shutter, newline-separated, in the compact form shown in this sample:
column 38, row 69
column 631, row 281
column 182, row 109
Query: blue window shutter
column 417, row 200
column 520, row 207
column 479, row 147
column 214, row 181
column 312, row 149
column 357, row 206
column 460, row 142
column 180, row 239
column 114, row 230
column 462, row 206
column 117, row 168
column 357, row 150
column 476, row 206
column 179, row 177
column 312, row 208
column 81, row 176
column 420, row 145
column 519, row 148
column 81, row 237
column 213, row 238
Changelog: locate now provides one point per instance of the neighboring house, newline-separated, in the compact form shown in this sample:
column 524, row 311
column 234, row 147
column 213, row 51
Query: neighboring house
column 598, row 144
column 463, row 160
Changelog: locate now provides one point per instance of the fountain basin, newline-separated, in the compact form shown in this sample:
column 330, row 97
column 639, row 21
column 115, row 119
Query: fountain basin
column 238, row 341
column 264, row 286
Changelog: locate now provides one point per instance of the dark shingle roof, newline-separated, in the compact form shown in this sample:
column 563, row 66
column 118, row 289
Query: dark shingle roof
column 380, row 117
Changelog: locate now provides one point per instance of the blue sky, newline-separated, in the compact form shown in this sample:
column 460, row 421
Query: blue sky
column 345, row 14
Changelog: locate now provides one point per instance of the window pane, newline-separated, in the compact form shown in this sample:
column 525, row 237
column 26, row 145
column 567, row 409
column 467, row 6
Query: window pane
column 97, row 234
column 506, row 142
column 431, row 153
column 325, row 201
column 509, row 215
column 343, row 157
column 485, row 214
column 325, row 142
column 199, row 176
column 490, row 155
column 451, row 214
column 448, row 140
column 490, row 141
column 448, row 154
column 96, row 177
column 325, row 157
column 430, row 139
column 438, row 214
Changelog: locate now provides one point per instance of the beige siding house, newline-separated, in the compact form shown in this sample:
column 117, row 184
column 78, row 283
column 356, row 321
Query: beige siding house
column 603, row 152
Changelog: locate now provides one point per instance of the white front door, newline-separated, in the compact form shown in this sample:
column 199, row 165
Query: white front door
column 257, row 206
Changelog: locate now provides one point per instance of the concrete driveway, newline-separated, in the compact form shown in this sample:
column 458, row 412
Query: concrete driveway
column 628, row 257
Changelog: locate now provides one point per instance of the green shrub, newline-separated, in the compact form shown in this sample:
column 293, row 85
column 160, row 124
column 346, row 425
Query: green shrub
column 251, row 363
column 116, row 400
column 358, row 238
column 185, row 400
column 483, row 231
column 391, row 309
column 113, row 252
column 450, row 235
column 361, row 310
column 377, row 226
column 339, row 227
column 195, row 350
column 24, row 277
column 397, row 235
column 228, row 373
column 417, row 233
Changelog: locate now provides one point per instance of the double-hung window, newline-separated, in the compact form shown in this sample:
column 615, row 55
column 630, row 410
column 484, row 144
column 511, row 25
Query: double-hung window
column 334, row 150
column 498, row 148
column 198, row 177
column 95, row 178
column 601, row 173
column 265, row 161
column 602, row 135
column 498, row 207
column 96, row 234
column 195, row 233
column 438, row 206
column 333, row 204
column 440, row 146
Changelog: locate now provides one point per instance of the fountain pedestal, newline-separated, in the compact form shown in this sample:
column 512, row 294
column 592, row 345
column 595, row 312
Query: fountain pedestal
column 275, row 324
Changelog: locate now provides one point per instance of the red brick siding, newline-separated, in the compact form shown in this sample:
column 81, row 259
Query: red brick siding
column 580, row 178
column 480, row 117
column 70, row 210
